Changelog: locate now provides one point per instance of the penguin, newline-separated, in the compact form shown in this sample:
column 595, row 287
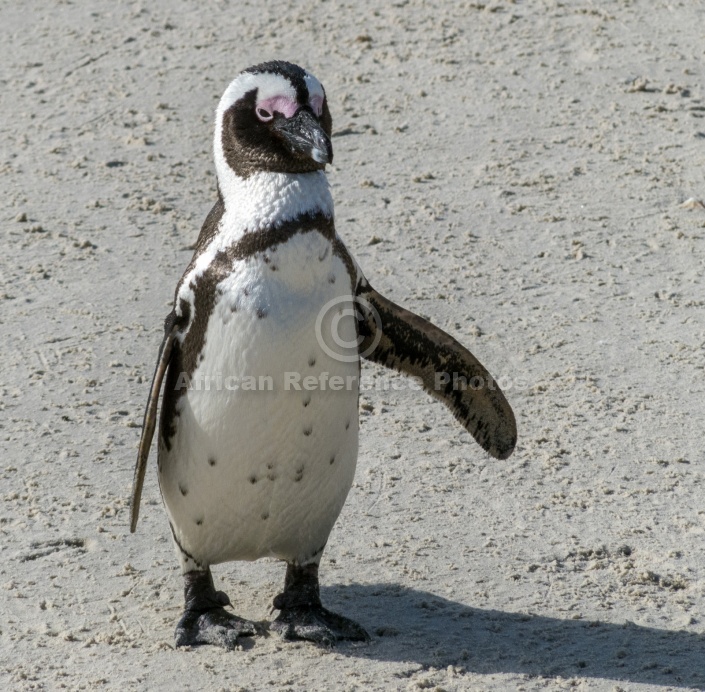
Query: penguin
column 260, row 365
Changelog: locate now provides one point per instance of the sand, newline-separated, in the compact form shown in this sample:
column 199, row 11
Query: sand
column 525, row 174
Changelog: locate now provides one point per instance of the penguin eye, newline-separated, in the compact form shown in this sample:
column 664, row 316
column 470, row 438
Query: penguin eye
column 263, row 114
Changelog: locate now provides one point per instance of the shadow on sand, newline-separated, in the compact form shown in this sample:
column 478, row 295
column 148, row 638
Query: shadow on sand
column 419, row 627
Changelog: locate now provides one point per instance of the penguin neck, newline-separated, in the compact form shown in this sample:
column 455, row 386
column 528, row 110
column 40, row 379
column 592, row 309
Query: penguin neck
column 265, row 199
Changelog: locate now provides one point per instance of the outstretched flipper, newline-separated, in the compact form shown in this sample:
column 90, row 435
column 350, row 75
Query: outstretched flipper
column 150, row 418
column 403, row 341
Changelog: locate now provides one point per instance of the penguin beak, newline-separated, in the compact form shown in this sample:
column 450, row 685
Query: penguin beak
column 303, row 135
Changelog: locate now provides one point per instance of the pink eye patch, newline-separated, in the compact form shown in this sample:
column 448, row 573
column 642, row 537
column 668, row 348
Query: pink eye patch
column 279, row 104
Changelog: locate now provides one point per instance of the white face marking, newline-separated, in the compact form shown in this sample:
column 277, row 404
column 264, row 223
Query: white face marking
column 268, row 86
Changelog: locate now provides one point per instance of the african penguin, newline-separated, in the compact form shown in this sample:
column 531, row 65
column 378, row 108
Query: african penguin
column 258, row 433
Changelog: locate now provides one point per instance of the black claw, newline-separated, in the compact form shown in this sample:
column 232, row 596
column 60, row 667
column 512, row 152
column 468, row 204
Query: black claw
column 303, row 617
column 204, row 620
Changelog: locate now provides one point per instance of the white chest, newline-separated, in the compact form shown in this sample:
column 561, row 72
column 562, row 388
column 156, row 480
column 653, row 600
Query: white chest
column 266, row 437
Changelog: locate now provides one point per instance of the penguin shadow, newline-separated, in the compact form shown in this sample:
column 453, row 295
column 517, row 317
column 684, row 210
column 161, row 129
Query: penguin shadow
column 418, row 627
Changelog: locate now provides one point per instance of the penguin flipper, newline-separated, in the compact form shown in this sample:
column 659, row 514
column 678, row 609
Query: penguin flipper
column 150, row 418
column 401, row 340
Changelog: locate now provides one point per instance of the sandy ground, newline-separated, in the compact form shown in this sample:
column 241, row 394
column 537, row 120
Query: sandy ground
column 517, row 172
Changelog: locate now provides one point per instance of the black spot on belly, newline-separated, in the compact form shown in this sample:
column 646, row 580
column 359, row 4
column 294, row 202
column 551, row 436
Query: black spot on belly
column 199, row 522
column 307, row 401
column 347, row 425
column 246, row 290
column 270, row 466
column 332, row 460
column 272, row 476
column 233, row 308
column 211, row 461
column 261, row 313
column 312, row 361
column 253, row 479
column 265, row 515
column 273, row 267
column 308, row 430
column 331, row 279
column 299, row 474
column 183, row 489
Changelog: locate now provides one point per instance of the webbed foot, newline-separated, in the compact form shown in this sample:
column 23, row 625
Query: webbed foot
column 303, row 617
column 317, row 624
column 205, row 620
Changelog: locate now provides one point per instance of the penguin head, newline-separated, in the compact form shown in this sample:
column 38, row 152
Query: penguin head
column 273, row 117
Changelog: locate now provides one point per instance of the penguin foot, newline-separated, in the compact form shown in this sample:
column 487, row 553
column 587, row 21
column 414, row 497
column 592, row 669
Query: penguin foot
column 303, row 617
column 205, row 620
column 215, row 626
column 317, row 624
